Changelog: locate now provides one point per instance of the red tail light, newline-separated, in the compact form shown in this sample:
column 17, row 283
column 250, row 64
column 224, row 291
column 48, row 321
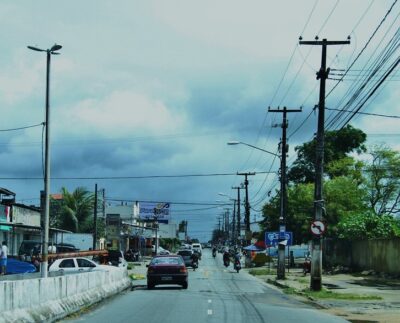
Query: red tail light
column 183, row 270
column 150, row 270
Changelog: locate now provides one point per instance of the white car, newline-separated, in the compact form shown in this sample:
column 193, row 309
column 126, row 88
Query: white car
column 197, row 248
column 77, row 265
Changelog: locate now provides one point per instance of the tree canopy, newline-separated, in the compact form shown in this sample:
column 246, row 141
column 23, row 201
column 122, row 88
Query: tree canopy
column 75, row 210
column 361, row 197
column 338, row 144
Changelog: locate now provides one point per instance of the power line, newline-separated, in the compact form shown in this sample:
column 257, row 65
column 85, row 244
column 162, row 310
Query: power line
column 129, row 177
column 366, row 113
column 22, row 128
column 366, row 44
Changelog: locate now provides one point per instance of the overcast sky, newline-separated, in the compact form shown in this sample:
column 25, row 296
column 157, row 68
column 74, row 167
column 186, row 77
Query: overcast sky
column 157, row 88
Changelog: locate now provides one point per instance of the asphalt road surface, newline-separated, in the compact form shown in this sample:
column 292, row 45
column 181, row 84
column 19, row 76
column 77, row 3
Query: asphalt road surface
column 215, row 294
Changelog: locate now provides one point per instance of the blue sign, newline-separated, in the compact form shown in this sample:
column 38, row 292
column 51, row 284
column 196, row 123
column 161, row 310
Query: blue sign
column 272, row 238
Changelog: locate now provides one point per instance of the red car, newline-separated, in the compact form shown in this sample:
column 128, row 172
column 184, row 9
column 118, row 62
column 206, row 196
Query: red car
column 167, row 270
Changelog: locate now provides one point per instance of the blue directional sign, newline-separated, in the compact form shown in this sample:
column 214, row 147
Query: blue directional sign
column 272, row 238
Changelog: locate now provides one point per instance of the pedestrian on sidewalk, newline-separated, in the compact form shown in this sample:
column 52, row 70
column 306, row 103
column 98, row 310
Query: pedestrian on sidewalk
column 3, row 258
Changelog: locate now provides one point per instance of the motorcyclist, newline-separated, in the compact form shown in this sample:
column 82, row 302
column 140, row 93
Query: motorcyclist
column 214, row 251
column 195, row 259
column 237, row 265
column 226, row 257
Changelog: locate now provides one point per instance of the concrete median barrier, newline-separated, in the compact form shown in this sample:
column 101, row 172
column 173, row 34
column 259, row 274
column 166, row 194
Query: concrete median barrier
column 49, row 299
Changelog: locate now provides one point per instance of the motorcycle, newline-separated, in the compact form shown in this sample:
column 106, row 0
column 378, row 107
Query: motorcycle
column 195, row 264
column 237, row 266
column 306, row 266
column 226, row 262
column 214, row 253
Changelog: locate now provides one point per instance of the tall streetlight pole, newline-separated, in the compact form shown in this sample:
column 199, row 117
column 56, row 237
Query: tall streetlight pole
column 46, row 214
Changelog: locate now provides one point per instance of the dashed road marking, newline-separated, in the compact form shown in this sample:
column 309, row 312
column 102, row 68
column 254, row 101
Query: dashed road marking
column 209, row 301
column 209, row 312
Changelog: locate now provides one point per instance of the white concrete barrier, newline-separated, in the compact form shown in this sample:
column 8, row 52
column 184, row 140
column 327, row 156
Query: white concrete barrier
column 49, row 299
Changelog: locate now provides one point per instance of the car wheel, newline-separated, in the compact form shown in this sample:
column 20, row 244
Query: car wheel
column 185, row 285
column 150, row 286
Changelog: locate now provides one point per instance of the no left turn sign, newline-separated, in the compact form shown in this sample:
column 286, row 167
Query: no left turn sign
column 317, row 227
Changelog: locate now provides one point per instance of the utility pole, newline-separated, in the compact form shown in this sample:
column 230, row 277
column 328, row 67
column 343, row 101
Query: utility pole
column 283, row 198
column 233, row 222
column 95, row 218
column 247, row 206
column 322, row 75
column 238, row 210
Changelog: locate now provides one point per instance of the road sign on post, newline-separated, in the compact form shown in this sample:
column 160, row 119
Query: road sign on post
column 317, row 227
column 272, row 238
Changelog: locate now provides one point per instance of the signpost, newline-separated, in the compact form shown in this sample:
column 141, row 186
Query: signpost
column 317, row 227
column 272, row 238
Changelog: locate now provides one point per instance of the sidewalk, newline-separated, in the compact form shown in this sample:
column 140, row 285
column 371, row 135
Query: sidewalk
column 381, row 301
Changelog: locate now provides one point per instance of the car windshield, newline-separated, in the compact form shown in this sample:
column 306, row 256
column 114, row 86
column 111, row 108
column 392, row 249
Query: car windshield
column 184, row 253
column 166, row 261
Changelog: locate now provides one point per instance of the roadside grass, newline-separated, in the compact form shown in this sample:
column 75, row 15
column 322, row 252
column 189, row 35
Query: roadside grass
column 260, row 272
column 303, row 280
column 327, row 294
column 136, row 276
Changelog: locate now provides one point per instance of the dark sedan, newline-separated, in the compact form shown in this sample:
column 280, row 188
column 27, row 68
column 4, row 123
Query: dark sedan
column 167, row 270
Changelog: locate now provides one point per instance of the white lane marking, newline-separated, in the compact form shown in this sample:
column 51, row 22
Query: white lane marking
column 209, row 312
column 209, row 301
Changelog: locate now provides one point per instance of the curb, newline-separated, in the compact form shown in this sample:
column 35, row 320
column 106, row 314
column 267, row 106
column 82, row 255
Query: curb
column 298, row 293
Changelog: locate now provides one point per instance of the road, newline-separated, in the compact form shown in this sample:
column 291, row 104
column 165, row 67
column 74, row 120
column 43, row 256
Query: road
column 215, row 294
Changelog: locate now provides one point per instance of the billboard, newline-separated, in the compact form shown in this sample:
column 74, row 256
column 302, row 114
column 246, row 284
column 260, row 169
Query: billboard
column 154, row 211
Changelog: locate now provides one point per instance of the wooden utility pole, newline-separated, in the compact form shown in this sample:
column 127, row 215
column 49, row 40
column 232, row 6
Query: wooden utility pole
column 238, row 210
column 247, row 206
column 322, row 75
column 95, row 219
column 283, row 198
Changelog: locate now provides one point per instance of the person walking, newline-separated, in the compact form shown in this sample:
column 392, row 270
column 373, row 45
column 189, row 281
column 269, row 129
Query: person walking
column 3, row 258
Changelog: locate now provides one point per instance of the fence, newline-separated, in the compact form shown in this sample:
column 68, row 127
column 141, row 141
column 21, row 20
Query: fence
column 379, row 255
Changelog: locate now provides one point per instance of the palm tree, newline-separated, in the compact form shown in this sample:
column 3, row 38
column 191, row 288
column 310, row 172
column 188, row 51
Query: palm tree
column 76, row 208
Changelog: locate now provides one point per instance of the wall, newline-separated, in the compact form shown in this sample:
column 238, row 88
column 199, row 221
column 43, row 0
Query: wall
column 48, row 299
column 378, row 255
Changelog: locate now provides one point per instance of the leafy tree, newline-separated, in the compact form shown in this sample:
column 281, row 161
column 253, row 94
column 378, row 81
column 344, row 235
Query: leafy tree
column 338, row 144
column 368, row 225
column 76, row 209
column 342, row 196
column 299, row 212
column 382, row 181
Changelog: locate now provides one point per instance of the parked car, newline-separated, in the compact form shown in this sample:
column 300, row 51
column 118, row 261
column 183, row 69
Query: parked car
column 186, row 255
column 30, row 249
column 116, row 258
column 167, row 270
column 162, row 251
column 77, row 265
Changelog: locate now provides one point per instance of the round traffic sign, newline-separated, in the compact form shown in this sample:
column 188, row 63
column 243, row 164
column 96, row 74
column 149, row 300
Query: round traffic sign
column 317, row 227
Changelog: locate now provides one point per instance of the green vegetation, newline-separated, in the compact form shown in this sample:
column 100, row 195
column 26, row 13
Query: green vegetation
column 136, row 276
column 263, row 271
column 74, row 212
column 362, row 198
column 327, row 294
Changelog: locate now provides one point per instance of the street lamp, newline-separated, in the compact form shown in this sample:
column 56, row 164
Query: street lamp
column 283, row 205
column 44, row 264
